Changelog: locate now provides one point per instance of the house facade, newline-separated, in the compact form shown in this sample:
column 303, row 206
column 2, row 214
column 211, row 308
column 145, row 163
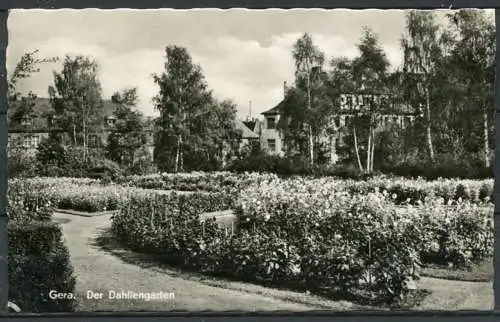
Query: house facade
column 28, row 131
column 350, row 107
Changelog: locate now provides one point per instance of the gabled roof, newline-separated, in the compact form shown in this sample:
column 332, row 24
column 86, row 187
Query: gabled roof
column 246, row 132
column 275, row 110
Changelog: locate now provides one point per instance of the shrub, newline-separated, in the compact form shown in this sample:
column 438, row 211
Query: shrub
column 21, row 164
column 445, row 166
column 38, row 263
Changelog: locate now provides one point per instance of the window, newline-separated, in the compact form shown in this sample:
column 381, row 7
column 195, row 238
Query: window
column 93, row 141
column 26, row 141
column 110, row 121
column 26, row 121
column 271, row 123
column 34, row 141
column 271, row 144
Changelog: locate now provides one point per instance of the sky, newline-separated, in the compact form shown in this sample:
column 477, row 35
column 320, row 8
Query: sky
column 246, row 55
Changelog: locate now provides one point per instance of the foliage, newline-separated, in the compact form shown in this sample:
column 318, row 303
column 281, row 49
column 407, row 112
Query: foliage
column 194, row 129
column 39, row 262
column 128, row 134
column 76, row 98
column 21, row 164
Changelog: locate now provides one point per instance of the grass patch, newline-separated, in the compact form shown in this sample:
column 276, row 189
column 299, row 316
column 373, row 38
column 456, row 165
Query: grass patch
column 482, row 272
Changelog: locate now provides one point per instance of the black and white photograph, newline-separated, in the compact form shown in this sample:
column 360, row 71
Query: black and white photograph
column 250, row 160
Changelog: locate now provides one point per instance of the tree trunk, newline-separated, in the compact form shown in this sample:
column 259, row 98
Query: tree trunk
column 181, row 154
column 84, row 140
column 311, row 146
column 74, row 134
column 311, row 143
column 357, row 148
column 372, row 153
column 333, row 152
column 369, row 150
column 428, row 132
column 177, row 153
column 486, row 140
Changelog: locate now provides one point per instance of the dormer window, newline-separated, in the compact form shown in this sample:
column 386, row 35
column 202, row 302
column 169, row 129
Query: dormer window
column 271, row 123
column 110, row 121
column 26, row 121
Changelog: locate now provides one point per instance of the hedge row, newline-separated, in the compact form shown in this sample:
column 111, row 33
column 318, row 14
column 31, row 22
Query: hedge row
column 38, row 258
column 39, row 262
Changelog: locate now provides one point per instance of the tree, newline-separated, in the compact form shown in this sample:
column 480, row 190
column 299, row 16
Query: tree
column 472, row 62
column 370, row 71
column 51, row 157
column 128, row 135
column 192, row 125
column 76, row 98
column 422, row 54
column 20, row 162
column 303, row 108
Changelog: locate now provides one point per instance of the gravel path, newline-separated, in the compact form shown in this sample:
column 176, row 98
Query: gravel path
column 97, row 270
column 100, row 271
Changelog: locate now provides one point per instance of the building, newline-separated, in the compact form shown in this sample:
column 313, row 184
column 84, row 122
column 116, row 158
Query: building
column 28, row 131
column 350, row 106
column 248, row 136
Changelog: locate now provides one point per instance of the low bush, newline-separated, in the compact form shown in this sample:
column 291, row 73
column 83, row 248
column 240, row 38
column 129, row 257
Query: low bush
column 445, row 166
column 39, row 262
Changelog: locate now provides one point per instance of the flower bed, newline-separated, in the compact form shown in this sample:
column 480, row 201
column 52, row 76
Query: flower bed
column 196, row 181
column 321, row 235
column 459, row 233
column 271, row 256
column 27, row 202
column 407, row 191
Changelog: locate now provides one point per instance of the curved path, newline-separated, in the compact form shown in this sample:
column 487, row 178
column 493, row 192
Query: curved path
column 99, row 270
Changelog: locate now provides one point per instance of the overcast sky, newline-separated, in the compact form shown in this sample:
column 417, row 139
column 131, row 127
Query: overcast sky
column 245, row 54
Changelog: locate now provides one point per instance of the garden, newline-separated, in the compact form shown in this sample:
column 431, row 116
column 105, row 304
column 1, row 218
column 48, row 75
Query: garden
column 362, row 241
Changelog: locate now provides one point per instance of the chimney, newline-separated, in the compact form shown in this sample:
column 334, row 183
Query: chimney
column 285, row 88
